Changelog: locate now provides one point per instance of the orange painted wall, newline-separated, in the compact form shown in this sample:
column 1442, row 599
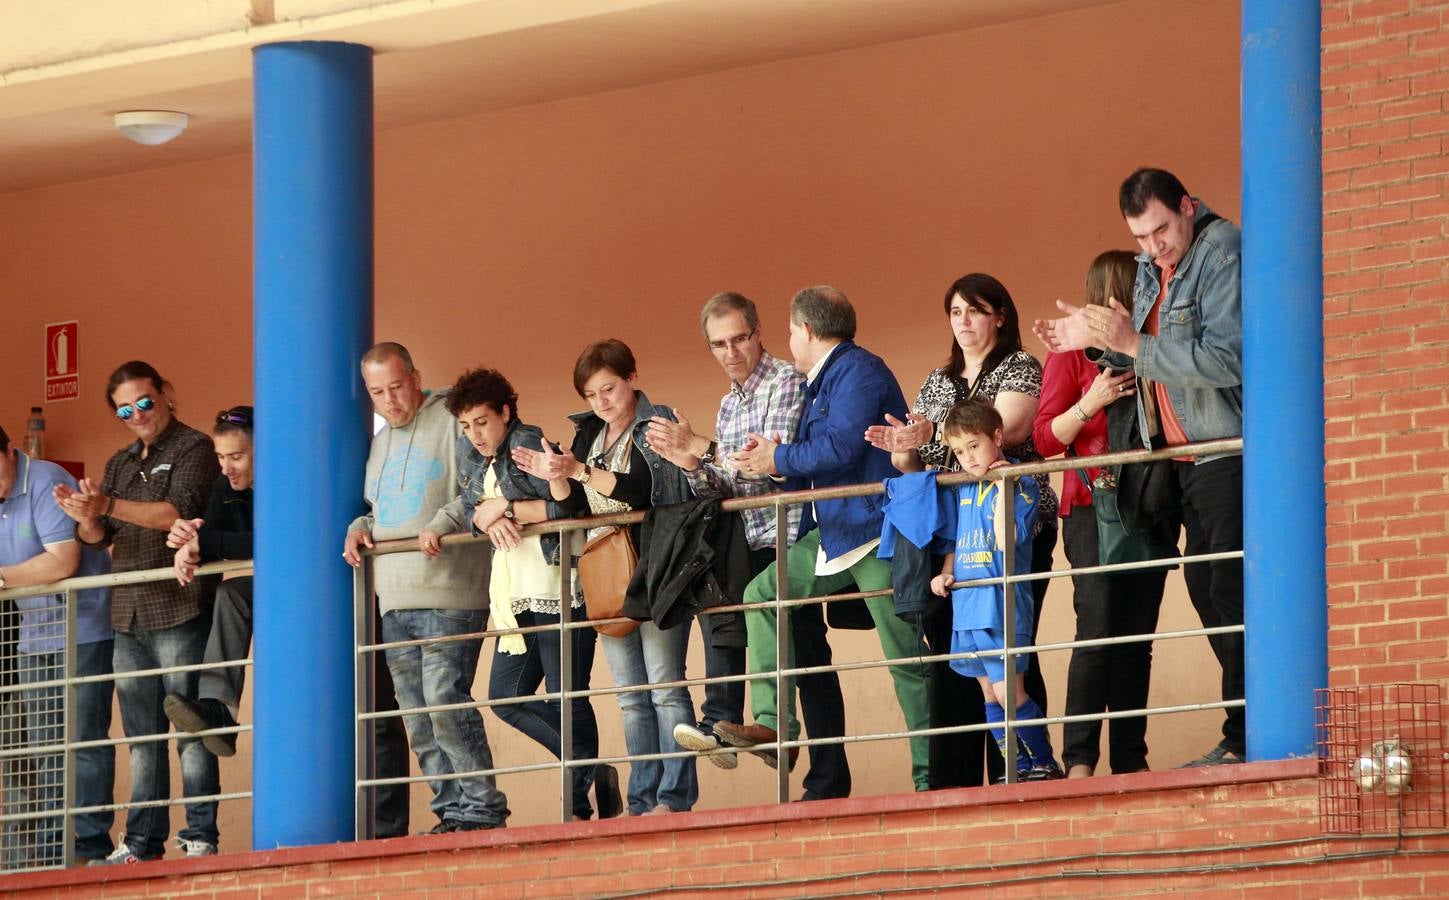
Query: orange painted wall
column 513, row 238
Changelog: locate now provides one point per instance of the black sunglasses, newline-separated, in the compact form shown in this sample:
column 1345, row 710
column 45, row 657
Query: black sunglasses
column 237, row 415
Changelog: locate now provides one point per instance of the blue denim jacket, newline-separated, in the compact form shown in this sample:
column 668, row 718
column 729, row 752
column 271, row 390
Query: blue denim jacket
column 513, row 483
column 668, row 482
column 1197, row 353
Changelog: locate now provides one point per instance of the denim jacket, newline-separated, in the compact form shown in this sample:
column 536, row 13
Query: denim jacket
column 1197, row 354
column 668, row 482
column 513, row 483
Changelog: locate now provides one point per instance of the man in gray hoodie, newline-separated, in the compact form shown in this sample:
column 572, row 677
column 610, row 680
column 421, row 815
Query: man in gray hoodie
column 411, row 477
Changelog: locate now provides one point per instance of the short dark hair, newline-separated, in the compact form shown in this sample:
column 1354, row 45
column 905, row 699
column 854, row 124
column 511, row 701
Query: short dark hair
column 237, row 419
column 826, row 310
column 990, row 296
column 132, row 371
column 482, row 387
column 1112, row 274
column 729, row 301
column 385, row 350
column 974, row 416
column 612, row 354
column 1145, row 185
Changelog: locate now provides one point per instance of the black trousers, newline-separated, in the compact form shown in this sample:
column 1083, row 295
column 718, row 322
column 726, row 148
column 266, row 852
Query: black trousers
column 821, row 705
column 390, row 812
column 962, row 759
column 1212, row 512
column 1116, row 676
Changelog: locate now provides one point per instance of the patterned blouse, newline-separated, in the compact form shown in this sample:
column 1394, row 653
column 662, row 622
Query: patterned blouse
column 1019, row 373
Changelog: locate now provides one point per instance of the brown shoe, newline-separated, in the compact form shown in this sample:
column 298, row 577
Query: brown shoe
column 747, row 736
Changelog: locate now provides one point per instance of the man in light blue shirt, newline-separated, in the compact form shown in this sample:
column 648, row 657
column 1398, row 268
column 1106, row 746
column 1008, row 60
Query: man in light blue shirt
column 38, row 546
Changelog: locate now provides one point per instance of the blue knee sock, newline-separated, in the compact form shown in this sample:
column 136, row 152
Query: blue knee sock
column 994, row 713
column 1038, row 742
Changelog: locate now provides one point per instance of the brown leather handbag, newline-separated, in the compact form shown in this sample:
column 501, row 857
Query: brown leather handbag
column 605, row 569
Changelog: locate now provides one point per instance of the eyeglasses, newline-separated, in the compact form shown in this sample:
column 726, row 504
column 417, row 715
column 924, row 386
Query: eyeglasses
column 237, row 415
column 733, row 343
column 145, row 404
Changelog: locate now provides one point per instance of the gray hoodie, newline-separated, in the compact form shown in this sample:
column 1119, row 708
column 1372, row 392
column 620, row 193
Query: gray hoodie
column 411, row 476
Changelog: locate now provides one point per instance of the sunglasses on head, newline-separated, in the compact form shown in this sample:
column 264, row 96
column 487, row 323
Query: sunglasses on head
column 236, row 416
column 145, row 404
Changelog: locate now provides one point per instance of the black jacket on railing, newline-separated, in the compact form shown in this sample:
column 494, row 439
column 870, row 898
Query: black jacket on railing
column 692, row 556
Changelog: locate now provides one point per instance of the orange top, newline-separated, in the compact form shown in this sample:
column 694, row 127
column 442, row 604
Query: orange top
column 1173, row 434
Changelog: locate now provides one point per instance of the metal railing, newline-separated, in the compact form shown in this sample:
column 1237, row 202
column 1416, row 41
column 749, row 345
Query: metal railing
column 785, row 673
column 42, row 834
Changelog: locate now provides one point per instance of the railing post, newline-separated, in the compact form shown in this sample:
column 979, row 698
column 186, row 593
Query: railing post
column 565, row 672
column 68, row 731
column 1007, row 489
column 365, row 799
column 784, row 653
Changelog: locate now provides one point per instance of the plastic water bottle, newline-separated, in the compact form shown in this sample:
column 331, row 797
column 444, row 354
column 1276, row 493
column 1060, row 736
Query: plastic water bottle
column 34, row 445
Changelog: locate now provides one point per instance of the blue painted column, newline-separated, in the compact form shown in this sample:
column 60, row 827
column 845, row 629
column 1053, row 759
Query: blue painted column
column 312, row 239
column 1286, row 592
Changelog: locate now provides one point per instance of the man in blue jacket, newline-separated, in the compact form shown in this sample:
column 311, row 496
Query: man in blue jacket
column 847, row 389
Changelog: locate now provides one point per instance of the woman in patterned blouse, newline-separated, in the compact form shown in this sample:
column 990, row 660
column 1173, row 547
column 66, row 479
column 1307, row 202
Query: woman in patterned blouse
column 986, row 361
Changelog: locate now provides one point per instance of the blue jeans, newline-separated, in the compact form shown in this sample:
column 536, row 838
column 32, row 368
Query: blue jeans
column 141, row 714
column 95, row 775
column 651, row 656
column 452, row 741
column 520, row 675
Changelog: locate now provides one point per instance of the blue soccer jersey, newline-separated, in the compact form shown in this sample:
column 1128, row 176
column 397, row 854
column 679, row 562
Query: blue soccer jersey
column 976, row 556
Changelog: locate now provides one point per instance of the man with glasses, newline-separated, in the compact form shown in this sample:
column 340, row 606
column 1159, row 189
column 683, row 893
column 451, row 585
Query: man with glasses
column 38, row 546
column 766, row 396
column 165, row 474
column 225, row 532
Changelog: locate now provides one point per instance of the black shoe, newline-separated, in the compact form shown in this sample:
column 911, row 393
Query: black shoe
column 1048, row 771
column 192, row 716
column 476, row 826
column 444, row 826
column 607, row 798
column 1217, row 756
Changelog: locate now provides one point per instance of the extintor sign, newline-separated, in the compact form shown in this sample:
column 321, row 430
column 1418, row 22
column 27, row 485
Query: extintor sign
column 62, row 368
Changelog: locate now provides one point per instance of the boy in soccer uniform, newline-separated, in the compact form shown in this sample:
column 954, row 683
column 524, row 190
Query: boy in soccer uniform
column 973, row 431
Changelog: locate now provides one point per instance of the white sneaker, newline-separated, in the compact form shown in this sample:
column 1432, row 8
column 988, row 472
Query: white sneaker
column 704, row 740
column 190, row 849
column 121, row 856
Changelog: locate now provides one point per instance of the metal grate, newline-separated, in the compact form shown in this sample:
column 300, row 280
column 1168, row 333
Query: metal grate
column 32, row 727
column 1381, row 765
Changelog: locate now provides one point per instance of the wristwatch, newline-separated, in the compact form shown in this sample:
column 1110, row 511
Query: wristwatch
column 508, row 510
column 586, row 474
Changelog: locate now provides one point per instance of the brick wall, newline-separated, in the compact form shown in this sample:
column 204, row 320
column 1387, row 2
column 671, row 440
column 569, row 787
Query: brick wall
column 1386, row 337
column 1244, row 831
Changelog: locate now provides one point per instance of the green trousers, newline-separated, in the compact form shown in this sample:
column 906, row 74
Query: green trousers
column 897, row 640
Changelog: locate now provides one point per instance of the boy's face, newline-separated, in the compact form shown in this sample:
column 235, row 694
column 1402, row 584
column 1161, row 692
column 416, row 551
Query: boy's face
column 975, row 452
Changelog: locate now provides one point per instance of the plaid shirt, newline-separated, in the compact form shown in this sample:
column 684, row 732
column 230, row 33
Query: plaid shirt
column 769, row 401
column 179, row 469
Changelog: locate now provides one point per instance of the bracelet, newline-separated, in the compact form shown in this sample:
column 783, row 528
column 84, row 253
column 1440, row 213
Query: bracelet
column 110, row 506
column 1081, row 413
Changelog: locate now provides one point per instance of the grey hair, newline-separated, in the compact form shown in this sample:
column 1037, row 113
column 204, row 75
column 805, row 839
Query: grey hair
column 826, row 310
column 386, row 350
column 726, row 302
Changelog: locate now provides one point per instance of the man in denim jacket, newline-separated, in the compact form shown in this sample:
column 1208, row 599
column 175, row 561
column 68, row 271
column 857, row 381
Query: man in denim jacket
column 847, row 389
column 1184, row 338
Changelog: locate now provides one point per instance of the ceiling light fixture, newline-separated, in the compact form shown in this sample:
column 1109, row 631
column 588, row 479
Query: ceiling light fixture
column 150, row 126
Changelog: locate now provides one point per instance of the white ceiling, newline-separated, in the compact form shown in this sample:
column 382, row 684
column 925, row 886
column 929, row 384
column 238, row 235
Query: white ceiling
column 55, row 124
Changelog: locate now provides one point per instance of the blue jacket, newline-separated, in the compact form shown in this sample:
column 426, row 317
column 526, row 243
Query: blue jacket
column 1198, row 351
column 854, row 391
column 668, row 484
column 513, row 483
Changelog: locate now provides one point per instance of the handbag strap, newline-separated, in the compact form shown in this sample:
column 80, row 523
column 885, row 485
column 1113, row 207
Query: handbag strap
column 1071, row 451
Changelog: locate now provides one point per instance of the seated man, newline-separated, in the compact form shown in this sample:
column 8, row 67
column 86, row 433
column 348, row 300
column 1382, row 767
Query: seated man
column 847, row 389
column 225, row 532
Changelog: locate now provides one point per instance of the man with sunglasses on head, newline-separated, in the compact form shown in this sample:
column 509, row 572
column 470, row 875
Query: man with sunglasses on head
column 225, row 532
column 766, row 396
column 165, row 474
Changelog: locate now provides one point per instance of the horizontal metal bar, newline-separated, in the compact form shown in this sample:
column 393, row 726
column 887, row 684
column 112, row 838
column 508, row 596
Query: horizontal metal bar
column 116, row 807
column 121, row 579
column 122, row 676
